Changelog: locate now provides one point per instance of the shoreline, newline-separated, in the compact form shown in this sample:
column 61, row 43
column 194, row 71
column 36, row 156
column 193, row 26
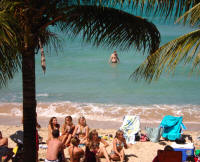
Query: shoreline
column 93, row 124
column 102, row 112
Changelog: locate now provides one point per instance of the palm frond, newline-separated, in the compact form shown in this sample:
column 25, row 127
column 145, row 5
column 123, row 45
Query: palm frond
column 191, row 17
column 184, row 49
column 164, row 8
column 111, row 27
column 9, row 57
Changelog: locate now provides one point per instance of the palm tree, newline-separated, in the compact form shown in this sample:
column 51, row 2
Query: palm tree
column 24, row 28
column 184, row 49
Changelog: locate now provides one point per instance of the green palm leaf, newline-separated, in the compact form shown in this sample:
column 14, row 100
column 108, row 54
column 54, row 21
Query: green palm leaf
column 111, row 27
column 9, row 57
column 183, row 49
column 192, row 16
column 164, row 8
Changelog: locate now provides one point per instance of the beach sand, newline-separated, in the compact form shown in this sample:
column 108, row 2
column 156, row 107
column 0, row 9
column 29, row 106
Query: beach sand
column 139, row 152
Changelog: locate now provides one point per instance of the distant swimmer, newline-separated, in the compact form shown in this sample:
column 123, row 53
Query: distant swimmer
column 114, row 58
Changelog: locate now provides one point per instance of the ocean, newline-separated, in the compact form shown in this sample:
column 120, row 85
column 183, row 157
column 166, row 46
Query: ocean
column 80, row 81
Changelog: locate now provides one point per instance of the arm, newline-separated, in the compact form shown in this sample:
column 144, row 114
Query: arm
column 75, row 130
column 63, row 129
column 87, row 132
column 68, row 138
column 49, row 132
column 125, row 144
column 104, row 142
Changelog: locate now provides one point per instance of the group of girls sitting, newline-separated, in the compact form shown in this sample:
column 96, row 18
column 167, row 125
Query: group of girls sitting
column 75, row 137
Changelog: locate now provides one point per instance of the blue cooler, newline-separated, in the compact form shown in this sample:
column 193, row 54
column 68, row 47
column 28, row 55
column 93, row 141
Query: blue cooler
column 186, row 149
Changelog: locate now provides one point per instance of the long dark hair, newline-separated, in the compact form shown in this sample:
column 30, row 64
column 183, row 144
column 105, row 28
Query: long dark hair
column 89, row 156
column 51, row 124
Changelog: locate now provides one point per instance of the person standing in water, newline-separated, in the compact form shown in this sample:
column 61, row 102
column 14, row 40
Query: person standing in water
column 114, row 58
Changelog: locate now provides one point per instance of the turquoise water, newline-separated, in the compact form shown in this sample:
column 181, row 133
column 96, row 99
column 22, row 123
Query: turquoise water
column 81, row 73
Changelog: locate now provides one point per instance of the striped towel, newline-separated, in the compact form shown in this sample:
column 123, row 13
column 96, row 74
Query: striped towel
column 130, row 126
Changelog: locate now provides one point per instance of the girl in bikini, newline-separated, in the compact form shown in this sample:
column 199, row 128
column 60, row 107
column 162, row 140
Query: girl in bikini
column 119, row 143
column 81, row 130
column 93, row 145
column 53, row 125
column 67, row 130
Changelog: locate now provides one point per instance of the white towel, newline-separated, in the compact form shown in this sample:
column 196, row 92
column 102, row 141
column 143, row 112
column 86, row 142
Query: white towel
column 130, row 126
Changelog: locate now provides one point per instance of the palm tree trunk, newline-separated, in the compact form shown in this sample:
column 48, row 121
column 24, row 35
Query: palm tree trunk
column 29, row 105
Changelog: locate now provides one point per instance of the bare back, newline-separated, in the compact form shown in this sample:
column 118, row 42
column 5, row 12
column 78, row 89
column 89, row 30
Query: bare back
column 75, row 153
column 54, row 147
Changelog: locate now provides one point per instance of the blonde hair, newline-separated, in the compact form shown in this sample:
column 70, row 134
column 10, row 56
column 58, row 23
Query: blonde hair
column 75, row 141
column 82, row 117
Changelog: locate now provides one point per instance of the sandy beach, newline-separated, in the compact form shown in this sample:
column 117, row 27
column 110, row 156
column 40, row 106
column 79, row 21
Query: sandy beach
column 139, row 152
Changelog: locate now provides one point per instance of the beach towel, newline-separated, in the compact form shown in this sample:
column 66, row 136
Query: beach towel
column 154, row 134
column 130, row 126
column 172, row 127
column 43, row 146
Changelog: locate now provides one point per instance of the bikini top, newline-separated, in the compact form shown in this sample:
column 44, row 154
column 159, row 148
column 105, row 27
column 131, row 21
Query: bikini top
column 95, row 145
column 120, row 144
column 81, row 130
column 69, row 129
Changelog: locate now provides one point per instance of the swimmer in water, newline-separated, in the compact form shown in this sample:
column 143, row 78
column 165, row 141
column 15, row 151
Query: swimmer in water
column 114, row 58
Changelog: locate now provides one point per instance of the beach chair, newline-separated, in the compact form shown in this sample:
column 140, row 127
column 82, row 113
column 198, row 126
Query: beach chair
column 130, row 127
column 172, row 127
